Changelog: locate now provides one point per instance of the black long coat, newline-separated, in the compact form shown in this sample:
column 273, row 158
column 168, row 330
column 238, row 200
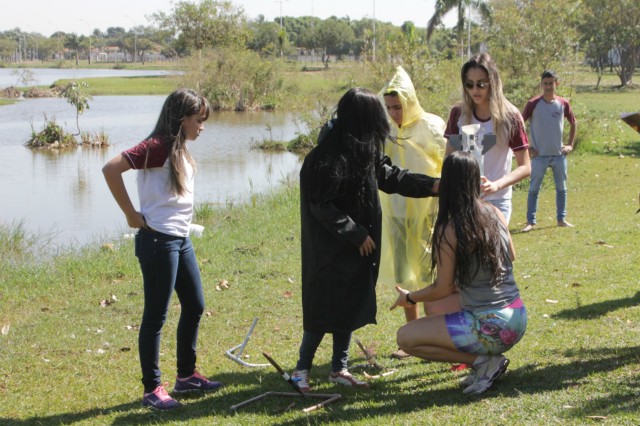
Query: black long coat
column 339, row 285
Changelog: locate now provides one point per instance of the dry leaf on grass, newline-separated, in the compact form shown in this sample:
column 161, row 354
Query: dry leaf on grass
column 287, row 294
column 603, row 243
column 551, row 301
column 222, row 285
column 5, row 329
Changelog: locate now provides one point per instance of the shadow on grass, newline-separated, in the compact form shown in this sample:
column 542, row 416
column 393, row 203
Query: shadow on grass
column 596, row 310
column 394, row 395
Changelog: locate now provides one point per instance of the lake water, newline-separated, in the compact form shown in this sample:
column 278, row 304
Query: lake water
column 47, row 76
column 65, row 192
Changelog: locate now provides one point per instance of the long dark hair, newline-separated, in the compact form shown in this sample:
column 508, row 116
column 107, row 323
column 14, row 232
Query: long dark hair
column 179, row 105
column 360, row 128
column 475, row 225
column 503, row 113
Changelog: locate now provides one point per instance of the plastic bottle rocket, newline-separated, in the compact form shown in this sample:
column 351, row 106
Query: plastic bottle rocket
column 471, row 140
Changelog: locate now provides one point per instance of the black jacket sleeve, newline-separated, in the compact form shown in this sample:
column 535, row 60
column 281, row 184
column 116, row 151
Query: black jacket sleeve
column 393, row 179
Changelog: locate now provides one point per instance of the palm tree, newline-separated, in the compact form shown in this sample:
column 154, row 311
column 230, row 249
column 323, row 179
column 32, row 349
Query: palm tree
column 445, row 6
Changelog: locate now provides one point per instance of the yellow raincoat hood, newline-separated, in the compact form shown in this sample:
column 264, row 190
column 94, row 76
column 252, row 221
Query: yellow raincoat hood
column 401, row 83
column 407, row 222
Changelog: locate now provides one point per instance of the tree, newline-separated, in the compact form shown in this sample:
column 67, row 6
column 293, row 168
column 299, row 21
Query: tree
column 611, row 32
column 529, row 36
column 208, row 23
column 335, row 36
column 267, row 38
column 72, row 42
column 443, row 7
column 76, row 94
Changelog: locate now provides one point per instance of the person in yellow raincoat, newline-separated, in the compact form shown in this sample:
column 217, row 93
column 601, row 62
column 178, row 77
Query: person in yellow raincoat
column 407, row 223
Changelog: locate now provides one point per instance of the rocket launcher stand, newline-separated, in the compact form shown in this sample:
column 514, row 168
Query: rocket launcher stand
column 237, row 356
column 327, row 398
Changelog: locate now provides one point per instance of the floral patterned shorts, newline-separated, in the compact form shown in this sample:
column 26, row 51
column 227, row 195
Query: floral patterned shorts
column 488, row 332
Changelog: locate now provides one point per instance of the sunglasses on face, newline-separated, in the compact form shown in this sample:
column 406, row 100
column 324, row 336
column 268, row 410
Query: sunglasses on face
column 479, row 84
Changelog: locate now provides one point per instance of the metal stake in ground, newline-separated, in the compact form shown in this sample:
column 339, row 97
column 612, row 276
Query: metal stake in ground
column 328, row 398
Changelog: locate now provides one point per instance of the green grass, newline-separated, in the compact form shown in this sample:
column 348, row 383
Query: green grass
column 131, row 86
column 65, row 359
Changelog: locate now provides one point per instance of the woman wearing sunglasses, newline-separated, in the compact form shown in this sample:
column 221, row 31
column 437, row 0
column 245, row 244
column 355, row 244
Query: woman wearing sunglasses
column 483, row 103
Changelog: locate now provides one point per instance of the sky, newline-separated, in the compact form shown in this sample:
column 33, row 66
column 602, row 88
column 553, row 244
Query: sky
column 82, row 16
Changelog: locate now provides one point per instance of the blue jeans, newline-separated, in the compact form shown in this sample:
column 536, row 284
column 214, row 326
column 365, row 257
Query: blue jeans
column 168, row 263
column 310, row 342
column 504, row 205
column 539, row 165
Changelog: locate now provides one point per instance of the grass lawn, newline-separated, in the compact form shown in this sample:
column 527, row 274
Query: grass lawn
column 69, row 320
column 65, row 359
column 130, row 86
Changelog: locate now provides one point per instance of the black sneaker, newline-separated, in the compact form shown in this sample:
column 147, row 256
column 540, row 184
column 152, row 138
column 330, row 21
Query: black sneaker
column 195, row 382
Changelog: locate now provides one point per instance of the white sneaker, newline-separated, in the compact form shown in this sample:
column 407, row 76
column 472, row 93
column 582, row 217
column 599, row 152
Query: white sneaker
column 488, row 369
column 343, row 377
column 301, row 377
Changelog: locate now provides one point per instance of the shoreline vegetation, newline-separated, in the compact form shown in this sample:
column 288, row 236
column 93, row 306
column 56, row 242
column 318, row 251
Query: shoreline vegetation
column 311, row 95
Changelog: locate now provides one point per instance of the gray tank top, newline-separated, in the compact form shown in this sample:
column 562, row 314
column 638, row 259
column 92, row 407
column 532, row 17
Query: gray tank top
column 481, row 294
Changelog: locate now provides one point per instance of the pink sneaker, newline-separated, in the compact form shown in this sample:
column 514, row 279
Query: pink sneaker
column 159, row 399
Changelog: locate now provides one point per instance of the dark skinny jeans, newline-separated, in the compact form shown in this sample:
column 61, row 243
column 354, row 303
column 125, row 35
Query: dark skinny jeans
column 310, row 342
column 168, row 263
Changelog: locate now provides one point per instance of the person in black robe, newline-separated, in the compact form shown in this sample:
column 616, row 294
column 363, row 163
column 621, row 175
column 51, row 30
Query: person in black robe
column 341, row 227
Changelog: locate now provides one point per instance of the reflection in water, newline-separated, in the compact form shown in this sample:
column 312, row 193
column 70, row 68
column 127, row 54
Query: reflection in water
column 65, row 190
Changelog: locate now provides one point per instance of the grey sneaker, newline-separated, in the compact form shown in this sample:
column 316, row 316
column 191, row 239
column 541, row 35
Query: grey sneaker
column 343, row 377
column 469, row 379
column 488, row 369
column 301, row 377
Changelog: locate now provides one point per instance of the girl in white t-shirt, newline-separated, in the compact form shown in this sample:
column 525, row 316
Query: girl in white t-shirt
column 484, row 103
column 167, row 259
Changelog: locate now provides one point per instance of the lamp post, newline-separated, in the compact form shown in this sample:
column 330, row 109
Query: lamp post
column 135, row 38
column 281, row 1
column 89, row 26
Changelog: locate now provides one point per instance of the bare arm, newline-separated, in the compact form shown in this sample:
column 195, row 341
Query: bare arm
column 523, row 170
column 113, row 171
column 572, row 139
